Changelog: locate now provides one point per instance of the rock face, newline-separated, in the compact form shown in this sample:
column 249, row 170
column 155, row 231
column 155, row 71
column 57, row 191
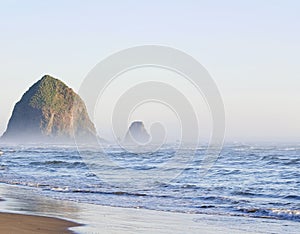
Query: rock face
column 49, row 111
column 136, row 133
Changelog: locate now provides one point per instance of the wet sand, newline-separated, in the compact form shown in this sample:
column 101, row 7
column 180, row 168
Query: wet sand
column 28, row 224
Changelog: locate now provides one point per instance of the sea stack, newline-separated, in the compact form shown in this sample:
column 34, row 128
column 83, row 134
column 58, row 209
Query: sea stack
column 49, row 111
column 137, row 134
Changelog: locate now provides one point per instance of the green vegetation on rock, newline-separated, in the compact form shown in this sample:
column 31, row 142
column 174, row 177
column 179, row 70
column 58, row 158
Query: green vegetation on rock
column 52, row 94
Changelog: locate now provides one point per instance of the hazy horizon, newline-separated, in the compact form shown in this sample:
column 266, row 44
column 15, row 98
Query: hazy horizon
column 250, row 49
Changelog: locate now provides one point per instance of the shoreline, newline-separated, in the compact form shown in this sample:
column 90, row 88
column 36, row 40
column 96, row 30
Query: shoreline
column 27, row 224
column 84, row 218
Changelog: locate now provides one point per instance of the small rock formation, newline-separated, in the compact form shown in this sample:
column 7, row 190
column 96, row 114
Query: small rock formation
column 49, row 111
column 137, row 134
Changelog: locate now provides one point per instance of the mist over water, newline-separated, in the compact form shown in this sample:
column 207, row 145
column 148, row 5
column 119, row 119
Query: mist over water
column 247, row 180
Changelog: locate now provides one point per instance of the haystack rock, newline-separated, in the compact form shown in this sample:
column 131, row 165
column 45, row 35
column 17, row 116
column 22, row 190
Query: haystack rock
column 137, row 134
column 49, row 111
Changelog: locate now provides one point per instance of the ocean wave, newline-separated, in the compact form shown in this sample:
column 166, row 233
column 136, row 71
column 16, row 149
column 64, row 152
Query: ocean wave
column 272, row 157
column 286, row 213
column 292, row 162
column 60, row 189
column 291, row 149
column 275, row 213
column 294, row 197
column 24, row 183
column 246, row 193
column 58, row 163
column 118, row 193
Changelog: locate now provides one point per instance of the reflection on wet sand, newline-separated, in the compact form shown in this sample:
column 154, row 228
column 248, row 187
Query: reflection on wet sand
column 24, row 200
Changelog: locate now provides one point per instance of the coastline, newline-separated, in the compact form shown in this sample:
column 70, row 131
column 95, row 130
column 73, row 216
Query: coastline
column 27, row 204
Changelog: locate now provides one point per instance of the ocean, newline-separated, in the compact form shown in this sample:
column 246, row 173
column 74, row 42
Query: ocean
column 257, row 180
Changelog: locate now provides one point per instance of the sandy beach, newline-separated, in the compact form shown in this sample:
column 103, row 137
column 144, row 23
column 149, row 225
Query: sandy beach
column 28, row 224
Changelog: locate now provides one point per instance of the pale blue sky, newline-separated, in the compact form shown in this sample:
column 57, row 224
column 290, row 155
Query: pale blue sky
column 251, row 48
